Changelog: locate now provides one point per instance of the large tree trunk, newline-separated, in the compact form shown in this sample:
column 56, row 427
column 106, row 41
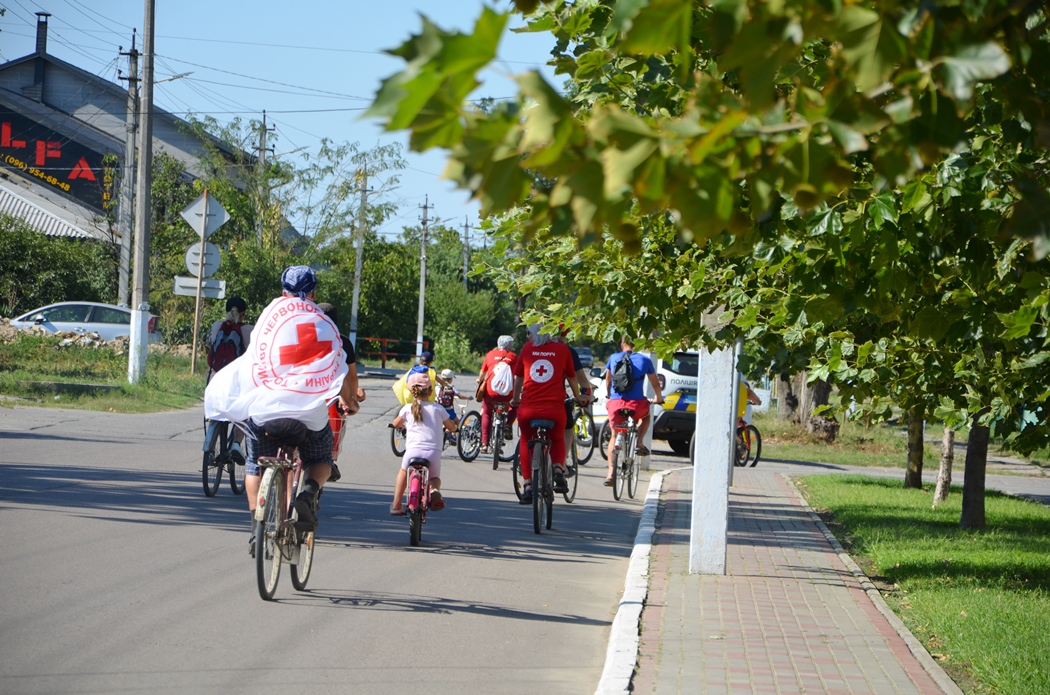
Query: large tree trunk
column 811, row 397
column 787, row 401
column 973, row 483
column 913, row 475
column 944, row 475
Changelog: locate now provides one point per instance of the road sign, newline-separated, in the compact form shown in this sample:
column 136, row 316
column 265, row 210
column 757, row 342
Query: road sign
column 212, row 289
column 212, row 258
column 205, row 221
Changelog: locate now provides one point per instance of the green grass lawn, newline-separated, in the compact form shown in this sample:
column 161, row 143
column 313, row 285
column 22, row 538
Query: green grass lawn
column 856, row 445
column 168, row 384
column 978, row 600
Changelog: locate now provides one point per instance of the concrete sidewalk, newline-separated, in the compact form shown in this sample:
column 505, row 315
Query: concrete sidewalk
column 791, row 615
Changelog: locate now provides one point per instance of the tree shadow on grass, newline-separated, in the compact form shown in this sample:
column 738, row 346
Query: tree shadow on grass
column 1013, row 552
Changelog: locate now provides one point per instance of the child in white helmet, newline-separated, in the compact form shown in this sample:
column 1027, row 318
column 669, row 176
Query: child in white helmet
column 447, row 395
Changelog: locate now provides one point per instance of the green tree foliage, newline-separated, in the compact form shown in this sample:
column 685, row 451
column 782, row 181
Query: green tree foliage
column 36, row 270
column 844, row 185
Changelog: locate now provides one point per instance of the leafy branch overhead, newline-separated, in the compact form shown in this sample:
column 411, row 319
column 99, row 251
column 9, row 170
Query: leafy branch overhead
column 709, row 112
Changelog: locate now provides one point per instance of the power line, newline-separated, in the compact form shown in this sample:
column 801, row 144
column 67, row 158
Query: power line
column 274, row 91
column 262, row 79
column 100, row 14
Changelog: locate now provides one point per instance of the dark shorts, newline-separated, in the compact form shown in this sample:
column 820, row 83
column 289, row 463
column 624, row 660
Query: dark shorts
column 570, row 407
column 316, row 449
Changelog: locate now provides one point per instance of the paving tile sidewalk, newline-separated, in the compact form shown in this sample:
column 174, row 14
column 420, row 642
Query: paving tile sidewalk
column 788, row 617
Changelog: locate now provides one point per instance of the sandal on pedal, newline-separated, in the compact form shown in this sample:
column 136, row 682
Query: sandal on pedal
column 396, row 512
column 437, row 502
column 560, row 484
column 608, row 482
column 526, row 494
column 641, row 450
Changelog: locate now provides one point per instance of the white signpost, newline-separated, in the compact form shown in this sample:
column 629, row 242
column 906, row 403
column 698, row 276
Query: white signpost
column 209, row 288
column 212, row 258
column 205, row 215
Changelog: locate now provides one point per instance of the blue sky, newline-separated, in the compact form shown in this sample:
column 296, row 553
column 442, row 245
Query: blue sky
column 326, row 55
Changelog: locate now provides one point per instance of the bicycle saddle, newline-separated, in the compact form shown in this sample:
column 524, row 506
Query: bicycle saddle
column 419, row 462
column 626, row 412
column 541, row 424
column 288, row 433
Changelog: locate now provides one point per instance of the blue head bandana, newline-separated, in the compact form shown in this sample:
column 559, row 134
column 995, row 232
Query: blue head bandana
column 299, row 279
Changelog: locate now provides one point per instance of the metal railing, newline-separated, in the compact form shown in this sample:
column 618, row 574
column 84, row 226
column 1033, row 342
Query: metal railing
column 384, row 352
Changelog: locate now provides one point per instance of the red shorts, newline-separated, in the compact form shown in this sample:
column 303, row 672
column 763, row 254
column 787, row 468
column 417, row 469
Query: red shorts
column 639, row 407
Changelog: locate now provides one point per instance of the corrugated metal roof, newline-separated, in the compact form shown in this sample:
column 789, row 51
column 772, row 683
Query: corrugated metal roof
column 40, row 219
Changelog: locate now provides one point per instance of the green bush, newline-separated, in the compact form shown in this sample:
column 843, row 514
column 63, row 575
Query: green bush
column 36, row 270
column 452, row 351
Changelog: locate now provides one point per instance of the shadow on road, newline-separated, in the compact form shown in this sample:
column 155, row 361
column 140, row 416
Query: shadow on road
column 353, row 517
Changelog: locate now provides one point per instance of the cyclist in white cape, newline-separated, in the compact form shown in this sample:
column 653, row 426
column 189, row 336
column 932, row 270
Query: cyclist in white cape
column 293, row 368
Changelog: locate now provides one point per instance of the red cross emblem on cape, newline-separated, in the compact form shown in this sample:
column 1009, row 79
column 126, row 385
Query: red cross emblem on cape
column 296, row 349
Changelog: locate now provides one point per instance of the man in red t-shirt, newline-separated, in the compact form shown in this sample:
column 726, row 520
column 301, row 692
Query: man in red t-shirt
column 540, row 372
column 501, row 355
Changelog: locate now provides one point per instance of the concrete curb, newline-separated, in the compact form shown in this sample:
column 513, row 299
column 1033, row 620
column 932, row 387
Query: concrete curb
column 622, row 655
column 928, row 663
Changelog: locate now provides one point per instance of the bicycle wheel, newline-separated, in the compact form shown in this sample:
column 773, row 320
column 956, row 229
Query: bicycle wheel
column 538, row 488
column 515, row 470
column 572, row 476
column 415, row 527
column 236, row 469
column 617, row 486
column 756, row 444
column 211, row 467
column 496, row 441
column 632, row 476
column 584, row 440
column 267, row 551
column 740, row 451
column 603, row 440
column 469, row 444
column 548, row 489
column 508, row 450
column 301, row 572
column 397, row 441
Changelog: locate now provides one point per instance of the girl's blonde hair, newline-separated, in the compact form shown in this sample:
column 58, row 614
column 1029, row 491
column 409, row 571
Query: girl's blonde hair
column 420, row 394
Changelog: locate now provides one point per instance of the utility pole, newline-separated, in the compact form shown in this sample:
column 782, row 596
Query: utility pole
column 466, row 250
column 264, row 182
column 144, row 178
column 126, row 211
column 422, row 275
column 359, row 242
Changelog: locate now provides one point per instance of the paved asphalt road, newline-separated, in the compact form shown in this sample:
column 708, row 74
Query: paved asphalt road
column 119, row 575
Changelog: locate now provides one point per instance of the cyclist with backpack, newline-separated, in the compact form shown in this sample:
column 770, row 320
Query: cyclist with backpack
column 625, row 375
column 496, row 385
column 228, row 340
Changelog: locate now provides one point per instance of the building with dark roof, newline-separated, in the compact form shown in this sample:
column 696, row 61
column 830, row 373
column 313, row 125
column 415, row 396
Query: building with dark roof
column 62, row 139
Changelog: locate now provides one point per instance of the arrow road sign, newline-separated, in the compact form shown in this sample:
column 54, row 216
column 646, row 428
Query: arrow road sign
column 212, row 289
column 211, row 259
column 205, row 215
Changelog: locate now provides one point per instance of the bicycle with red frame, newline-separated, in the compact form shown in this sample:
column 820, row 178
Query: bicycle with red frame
column 748, row 444
column 418, row 498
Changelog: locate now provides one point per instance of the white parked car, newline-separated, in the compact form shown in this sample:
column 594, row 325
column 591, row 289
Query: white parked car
column 108, row 321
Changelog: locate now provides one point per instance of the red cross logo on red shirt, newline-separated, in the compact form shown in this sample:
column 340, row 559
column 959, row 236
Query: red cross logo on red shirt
column 307, row 349
column 541, row 371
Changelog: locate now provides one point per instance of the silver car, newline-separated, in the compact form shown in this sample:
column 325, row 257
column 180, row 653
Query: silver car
column 108, row 321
